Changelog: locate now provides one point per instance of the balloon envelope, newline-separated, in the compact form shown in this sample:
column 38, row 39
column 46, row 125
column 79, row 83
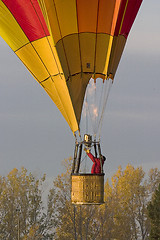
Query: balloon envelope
column 63, row 43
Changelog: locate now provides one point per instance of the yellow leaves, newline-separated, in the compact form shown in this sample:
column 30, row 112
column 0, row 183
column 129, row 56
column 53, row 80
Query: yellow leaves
column 13, row 175
column 127, row 197
column 107, row 190
column 67, row 163
column 124, row 193
column 33, row 230
column 127, row 181
column 124, row 208
column 13, row 172
column 33, row 233
column 43, row 178
column 23, row 191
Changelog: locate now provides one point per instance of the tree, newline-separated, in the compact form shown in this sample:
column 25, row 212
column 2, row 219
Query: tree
column 127, row 197
column 21, row 208
column 123, row 216
column 154, row 215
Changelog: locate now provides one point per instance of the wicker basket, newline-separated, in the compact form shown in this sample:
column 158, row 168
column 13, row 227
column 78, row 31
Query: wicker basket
column 87, row 188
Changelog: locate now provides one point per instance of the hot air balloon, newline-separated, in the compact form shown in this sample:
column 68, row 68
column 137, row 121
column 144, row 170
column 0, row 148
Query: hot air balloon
column 72, row 48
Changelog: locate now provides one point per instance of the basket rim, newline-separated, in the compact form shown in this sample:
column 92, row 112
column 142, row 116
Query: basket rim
column 87, row 174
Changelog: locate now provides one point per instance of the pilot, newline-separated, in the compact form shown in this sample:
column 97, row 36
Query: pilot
column 97, row 162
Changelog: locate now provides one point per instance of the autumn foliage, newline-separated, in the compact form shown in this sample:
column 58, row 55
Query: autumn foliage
column 24, row 215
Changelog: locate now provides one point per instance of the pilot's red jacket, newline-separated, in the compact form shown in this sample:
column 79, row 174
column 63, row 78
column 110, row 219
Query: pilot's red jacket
column 96, row 168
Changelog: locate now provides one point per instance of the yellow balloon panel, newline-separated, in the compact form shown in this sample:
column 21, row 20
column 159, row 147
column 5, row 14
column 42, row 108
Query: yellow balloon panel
column 69, row 55
column 66, row 16
column 72, row 52
column 63, row 58
column 50, row 12
column 33, row 62
column 88, row 49
column 103, row 50
column 10, row 30
column 48, row 54
column 56, row 88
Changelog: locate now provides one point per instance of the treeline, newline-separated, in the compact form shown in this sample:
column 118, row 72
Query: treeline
column 131, row 210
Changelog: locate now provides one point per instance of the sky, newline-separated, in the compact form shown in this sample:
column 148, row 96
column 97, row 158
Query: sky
column 33, row 133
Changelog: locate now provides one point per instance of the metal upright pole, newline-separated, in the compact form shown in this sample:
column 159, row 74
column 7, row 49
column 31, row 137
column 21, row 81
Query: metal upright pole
column 95, row 149
column 75, row 157
column 79, row 158
column 100, row 157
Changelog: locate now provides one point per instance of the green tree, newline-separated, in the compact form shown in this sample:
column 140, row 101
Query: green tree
column 154, row 215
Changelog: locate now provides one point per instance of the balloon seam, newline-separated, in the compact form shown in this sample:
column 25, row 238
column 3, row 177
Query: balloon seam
column 79, row 37
column 96, row 39
column 61, row 37
column 40, row 20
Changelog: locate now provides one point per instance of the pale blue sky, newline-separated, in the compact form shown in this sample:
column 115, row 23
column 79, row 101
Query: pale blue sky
column 33, row 133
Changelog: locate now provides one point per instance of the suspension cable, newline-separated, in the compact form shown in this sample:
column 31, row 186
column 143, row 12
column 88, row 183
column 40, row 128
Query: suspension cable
column 108, row 86
column 100, row 106
column 89, row 113
column 94, row 105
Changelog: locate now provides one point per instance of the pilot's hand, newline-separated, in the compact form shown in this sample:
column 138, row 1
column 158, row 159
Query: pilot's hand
column 87, row 150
